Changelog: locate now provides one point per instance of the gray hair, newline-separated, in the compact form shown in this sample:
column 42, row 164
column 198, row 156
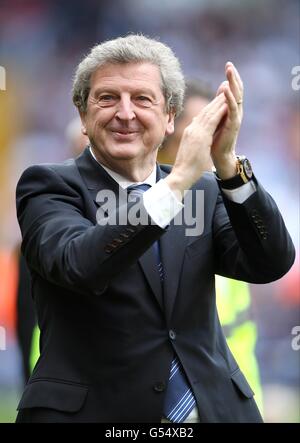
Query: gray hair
column 132, row 49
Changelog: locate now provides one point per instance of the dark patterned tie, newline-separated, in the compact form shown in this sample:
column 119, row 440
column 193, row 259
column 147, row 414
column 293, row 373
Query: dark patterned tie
column 135, row 193
column 179, row 400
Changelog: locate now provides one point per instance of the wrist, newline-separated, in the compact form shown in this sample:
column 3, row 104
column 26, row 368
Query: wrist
column 242, row 176
column 178, row 183
column 227, row 168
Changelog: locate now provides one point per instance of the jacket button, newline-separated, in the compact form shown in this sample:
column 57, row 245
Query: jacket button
column 130, row 230
column 172, row 334
column 116, row 242
column 159, row 386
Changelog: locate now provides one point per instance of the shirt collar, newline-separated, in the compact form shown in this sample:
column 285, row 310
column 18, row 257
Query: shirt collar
column 122, row 181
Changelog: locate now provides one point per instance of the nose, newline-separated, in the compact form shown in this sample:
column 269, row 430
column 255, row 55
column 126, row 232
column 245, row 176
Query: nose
column 125, row 109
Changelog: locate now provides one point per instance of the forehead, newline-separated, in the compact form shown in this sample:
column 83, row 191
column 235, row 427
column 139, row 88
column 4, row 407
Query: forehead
column 127, row 76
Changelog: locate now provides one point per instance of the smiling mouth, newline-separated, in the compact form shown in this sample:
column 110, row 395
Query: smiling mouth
column 124, row 136
column 124, row 132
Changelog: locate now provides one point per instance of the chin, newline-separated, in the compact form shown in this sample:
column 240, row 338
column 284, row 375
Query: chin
column 126, row 152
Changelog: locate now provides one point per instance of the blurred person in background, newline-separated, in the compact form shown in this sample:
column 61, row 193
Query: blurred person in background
column 233, row 297
column 26, row 317
column 76, row 140
column 129, row 327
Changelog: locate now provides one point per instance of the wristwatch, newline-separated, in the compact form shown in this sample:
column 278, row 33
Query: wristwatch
column 244, row 174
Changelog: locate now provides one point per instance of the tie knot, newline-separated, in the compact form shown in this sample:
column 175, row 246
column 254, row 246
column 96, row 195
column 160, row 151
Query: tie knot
column 136, row 191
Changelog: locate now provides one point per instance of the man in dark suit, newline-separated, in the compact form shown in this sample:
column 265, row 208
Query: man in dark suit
column 124, row 292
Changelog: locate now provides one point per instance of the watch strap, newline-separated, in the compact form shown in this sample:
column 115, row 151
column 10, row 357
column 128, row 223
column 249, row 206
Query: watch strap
column 237, row 180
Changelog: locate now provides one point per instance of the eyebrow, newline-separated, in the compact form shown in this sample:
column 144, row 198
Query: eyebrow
column 112, row 90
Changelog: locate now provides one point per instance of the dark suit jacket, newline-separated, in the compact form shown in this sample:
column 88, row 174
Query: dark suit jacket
column 106, row 346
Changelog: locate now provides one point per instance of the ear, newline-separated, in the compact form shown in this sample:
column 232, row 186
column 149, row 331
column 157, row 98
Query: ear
column 170, row 123
column 83, row 123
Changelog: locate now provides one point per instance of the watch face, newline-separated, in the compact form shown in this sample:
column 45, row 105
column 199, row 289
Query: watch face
column 247, row 168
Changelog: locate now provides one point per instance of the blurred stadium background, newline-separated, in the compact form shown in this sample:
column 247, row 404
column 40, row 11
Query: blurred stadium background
column 42, row 41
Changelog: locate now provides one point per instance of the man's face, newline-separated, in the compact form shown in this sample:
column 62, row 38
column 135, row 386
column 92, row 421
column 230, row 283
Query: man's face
column 126, row 118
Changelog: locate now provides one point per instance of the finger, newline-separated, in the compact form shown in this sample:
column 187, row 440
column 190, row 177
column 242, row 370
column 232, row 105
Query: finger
column 220, row 114
column 234, row 86
column 218, row 100
column 212, row 106
column 231, row 101
column 213, row 113
column 218, row 97
column 221, row 87
column 236, row 76
column 236, row 72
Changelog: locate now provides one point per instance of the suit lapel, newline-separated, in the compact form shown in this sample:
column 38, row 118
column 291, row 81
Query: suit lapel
column 149, row 265
column 94, row 176
column 172, row 246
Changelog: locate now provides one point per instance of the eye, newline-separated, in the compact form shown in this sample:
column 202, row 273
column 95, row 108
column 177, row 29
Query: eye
column 143, row 100
column 106, row 97
column 107, row 100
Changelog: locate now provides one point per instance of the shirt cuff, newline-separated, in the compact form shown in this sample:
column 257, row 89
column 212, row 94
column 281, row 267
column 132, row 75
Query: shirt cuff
column 161, row 203
column 242, row 193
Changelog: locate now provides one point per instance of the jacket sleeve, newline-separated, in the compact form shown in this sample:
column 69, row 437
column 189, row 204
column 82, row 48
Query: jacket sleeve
column 66, row 248
column 251, row 240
